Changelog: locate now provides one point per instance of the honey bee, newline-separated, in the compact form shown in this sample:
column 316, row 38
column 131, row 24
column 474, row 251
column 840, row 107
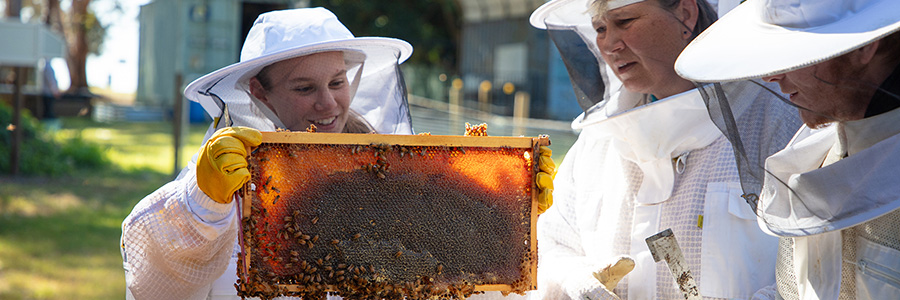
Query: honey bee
column 315, row 238
column 314, row 220
column 397, row 255
column 357, row 236
column 440, row 268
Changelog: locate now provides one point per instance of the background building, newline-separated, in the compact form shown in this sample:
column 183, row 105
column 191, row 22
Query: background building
column 500, row 46
column 181, row 40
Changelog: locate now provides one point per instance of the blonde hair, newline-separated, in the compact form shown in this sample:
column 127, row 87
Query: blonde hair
column 357, row 124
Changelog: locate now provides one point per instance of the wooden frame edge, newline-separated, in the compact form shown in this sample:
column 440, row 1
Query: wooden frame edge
column 393, row 139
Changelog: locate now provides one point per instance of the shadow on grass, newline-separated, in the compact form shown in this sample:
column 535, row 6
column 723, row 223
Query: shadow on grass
column 59, row 236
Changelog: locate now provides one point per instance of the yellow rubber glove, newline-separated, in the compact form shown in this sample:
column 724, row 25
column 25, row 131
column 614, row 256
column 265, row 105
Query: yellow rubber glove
column 222, row 164
column 610, row 275
column 544, row 179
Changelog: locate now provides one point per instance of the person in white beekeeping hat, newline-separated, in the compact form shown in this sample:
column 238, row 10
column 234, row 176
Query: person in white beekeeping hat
column 649, row 158
column 832, row 194
column 298, row 67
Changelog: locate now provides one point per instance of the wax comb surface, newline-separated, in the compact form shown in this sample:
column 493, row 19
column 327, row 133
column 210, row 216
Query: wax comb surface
column 385, row 216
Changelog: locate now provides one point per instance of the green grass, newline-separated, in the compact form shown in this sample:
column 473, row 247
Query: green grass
column 59, row 236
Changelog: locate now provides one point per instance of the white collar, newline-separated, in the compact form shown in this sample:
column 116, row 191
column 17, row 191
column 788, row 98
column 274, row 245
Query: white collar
column 799, row 198
column 652, row 135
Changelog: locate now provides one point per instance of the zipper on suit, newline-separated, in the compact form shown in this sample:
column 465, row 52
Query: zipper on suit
column 880, row 272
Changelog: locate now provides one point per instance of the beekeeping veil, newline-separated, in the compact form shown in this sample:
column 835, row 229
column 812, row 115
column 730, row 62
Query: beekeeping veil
column 377, row 87
column 568, row 25
column 769, row 37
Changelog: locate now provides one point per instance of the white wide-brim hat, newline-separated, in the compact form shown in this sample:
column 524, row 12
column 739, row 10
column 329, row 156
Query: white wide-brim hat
column 769, row 37
column 284, row 34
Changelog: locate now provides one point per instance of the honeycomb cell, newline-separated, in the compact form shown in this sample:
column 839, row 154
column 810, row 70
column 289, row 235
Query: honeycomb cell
column 417, row 219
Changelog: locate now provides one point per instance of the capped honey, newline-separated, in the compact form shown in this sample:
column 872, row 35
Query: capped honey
column 399, row 217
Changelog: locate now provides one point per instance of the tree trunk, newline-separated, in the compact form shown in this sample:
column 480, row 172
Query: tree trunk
column 13, row 8
column 76, row 40
column 53, row 17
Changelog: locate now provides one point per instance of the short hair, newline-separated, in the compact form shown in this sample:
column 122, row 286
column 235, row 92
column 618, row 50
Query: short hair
column 889, row 46
column 706, row 14
column 263, row 77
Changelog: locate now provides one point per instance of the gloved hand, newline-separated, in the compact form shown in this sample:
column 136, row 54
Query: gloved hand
column 222, row 164
column 544, row 179
column 610, row 275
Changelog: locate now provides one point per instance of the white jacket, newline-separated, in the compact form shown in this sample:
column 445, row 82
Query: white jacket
column 637, row 169
column 177, row 243
column 840, row 222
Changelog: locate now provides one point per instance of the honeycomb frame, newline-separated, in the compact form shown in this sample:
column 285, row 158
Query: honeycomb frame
column 281, row 251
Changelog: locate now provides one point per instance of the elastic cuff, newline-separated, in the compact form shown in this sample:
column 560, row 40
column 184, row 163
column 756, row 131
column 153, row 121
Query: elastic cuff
column 202, row 205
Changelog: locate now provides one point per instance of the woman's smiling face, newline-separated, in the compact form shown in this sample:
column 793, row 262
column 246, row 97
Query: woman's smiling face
column 311, row 89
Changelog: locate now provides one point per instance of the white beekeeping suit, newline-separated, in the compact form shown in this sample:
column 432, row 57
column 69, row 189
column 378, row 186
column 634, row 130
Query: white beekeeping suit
column 177, row 243
column 638, row 168
column 831, row 194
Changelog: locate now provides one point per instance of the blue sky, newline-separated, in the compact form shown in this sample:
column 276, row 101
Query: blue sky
column 116, row 67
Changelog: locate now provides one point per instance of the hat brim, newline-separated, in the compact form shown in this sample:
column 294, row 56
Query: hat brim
column 562, row 13
column 741, row 46
column 380, row 52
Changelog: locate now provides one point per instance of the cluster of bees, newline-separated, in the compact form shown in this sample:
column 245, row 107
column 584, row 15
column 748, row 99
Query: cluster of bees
column 273, row 272
column 476, row 130
column 295, row 261
column 381, row 166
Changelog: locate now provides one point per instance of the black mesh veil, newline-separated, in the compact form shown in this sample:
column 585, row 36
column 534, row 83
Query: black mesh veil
column 583, row 68
column 806, row 181
column 769, row 135
column 756, row 129
column 568, row 25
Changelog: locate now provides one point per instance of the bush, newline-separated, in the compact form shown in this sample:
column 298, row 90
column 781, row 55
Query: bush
column 41, row 154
